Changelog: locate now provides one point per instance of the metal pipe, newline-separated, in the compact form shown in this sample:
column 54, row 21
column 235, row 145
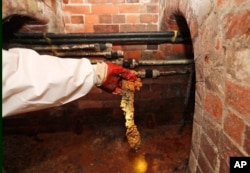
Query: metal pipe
column 99, row 35
column 132, row 63
column 166, row 62
column 133, row 37
column 101, row 40
column 153, row 73
column 71, row 47
column 187, row 96
column 77, row 54
column 66, row 47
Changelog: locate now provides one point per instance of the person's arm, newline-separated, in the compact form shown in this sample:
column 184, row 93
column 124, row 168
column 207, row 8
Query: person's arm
column 32, row 81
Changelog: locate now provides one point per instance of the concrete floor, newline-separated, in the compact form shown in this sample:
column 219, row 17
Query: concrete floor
column 98, row 149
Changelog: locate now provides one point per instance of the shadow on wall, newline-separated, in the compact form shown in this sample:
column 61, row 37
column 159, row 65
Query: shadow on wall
column 184, row 30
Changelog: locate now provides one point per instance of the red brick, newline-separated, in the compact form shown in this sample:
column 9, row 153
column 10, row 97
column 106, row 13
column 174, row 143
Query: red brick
column 104, row 9
column 238, row 2
column 247, row 140
column 198, row 170
column 99, row 1
column 238, row 97
column 224, row 165
column 193, row 27
column 118, row 18
column 132, row 1
column 179, row 48
column 133, row 47
column 173, row 27
column 151, row 27
column 199, row 93
column 218, row 44
column 228, row 148
column 66, row 19
column 213, row 105
column 209, row 151
column 106, row 28
column 133, row 54
column 105, row 19
column 148, row 18
column 152, row 8
column 92, row 19
column 196, row 139
column 34, row 28
column 212, row 129
column 234, row 127
column 154, row 1
column 65, row 1
column 203, row 163
column 77, row 19
column 199, row 67
column 133, row 28
column 88, row 28
column 117, row 47
column 132, row 18
column 77, row 9
column 118, row 1
column 221, row 2
column 147, row 55
column 234, row 26
column 130, row 8
column 192, row 163
column 74, row 28
column 167, row 47
column 76, row 1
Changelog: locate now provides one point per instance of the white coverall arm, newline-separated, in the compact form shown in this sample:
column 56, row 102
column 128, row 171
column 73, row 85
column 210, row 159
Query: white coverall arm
column 32, row 81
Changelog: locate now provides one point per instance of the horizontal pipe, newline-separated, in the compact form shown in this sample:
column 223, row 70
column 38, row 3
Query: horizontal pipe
column 165, row 62
column 153, row 73
column 131, row 37
column 80, row 54
column 66, row 47
column 123, row 40
column 132, row 63
column 98, row 35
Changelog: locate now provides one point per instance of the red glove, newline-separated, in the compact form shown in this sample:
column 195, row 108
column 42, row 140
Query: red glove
column 115, row 74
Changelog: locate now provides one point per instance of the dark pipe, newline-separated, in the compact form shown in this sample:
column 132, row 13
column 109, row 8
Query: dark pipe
column 133, row 37
column 153, row 73
column 65, row 47
column 186, row 101
column 80, row 54
column 97, row 35
column 101, row 40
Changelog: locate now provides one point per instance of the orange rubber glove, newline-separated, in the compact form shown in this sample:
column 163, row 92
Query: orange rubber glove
column 115, row 75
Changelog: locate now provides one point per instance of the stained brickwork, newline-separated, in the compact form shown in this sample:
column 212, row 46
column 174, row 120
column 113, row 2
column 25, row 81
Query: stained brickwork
column 221, row 43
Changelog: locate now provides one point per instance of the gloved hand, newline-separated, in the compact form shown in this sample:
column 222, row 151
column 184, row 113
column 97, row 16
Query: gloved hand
column 109, row 77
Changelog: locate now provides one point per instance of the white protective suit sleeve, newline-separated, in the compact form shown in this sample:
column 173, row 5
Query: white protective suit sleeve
column 33, row 82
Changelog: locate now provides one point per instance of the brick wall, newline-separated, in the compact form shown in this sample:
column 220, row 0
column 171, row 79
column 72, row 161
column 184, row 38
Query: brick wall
column 220, row 34
column 166, row 93
column 114, row 16
column 160, row 100
column 221, row 51
column 221, row 126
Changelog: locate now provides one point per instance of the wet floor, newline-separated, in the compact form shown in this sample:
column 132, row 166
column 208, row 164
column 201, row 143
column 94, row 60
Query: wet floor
column 98, row 149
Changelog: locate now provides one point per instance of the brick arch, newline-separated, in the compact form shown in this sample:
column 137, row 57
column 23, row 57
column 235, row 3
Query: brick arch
column 221, row 46
column 174, row 8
